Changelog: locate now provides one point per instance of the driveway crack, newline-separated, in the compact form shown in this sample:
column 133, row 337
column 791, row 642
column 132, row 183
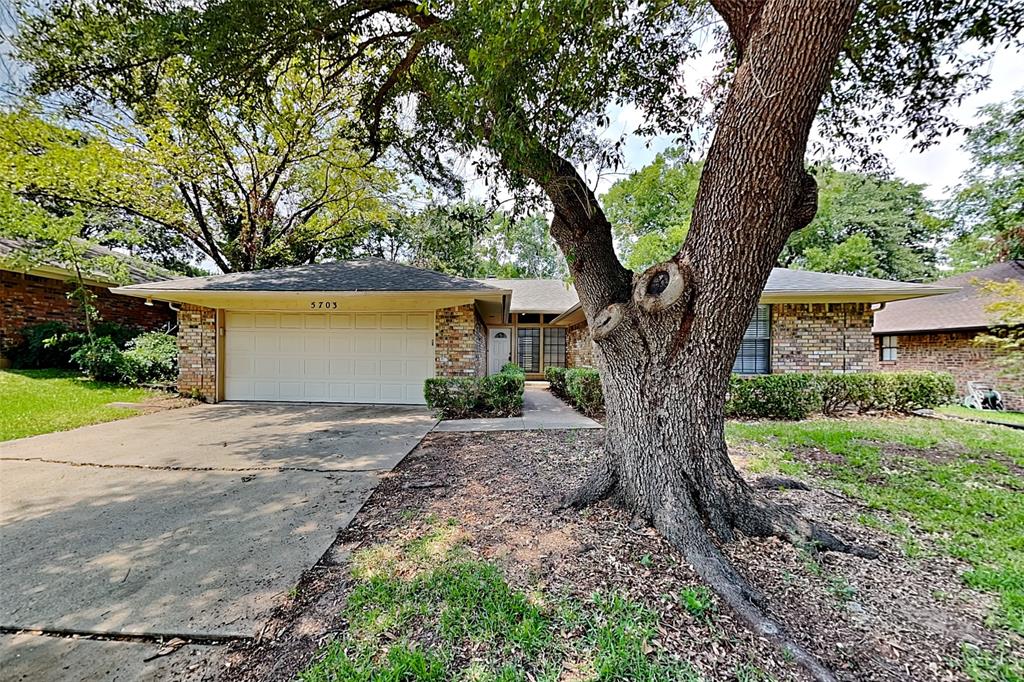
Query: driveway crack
column 169, row 467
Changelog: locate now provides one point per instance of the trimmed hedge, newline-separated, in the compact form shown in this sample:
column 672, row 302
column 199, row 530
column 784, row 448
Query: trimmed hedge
column 790, row 396
column 497, row 395
column 583, row 389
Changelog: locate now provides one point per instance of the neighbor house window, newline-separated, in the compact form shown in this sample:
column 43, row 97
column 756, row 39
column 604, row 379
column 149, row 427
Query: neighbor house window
column 755, row 352
column 890, row 349
column 529, row 349
column 554, row 347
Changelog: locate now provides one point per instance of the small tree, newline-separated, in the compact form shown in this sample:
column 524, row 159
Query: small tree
column 1007, row 335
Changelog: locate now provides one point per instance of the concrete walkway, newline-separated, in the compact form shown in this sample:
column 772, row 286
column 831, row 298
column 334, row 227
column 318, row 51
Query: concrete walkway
column 541, row 411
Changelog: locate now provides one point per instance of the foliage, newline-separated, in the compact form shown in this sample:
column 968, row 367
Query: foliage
column 583, row 389
column 779, row 396
column 520, row 249
column 884, row 391
column 100, row 359
column 42, row 401
column 866, row 225
column 248, row 187
column 1007, row 335
column 988, row 207
column 496, row 395
column 151, row 357
column 43, row 345
column 417, row 605
column 555, row 376
column 892, row 465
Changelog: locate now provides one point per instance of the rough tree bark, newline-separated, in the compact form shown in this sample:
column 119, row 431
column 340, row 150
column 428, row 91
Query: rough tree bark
column 665, row 340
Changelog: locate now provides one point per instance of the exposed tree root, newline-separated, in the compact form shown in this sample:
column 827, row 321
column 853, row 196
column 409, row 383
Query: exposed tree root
column 599, row 485
column 780, row 483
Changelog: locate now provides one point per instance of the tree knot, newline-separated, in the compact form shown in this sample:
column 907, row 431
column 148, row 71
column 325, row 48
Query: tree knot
column 661, row 286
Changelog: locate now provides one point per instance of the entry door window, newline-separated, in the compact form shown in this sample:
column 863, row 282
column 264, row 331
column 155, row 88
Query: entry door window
column 529, row 349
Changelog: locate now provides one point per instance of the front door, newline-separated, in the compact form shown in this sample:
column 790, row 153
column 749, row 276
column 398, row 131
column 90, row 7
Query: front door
column 499, row 348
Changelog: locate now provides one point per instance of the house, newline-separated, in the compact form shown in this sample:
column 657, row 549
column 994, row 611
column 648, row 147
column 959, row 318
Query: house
column 32, row 293
column 371, row 331
column 938, row 333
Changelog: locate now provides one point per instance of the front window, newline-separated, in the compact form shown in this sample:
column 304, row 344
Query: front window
column 889, row 351
column 754, row 356
column 529, row 349
column 554, row 347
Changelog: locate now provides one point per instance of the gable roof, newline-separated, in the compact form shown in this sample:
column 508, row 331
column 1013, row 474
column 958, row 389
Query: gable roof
column 804, row 286
column 549, row 296
column 14, row 252
column 364, row 275
column 961, row 309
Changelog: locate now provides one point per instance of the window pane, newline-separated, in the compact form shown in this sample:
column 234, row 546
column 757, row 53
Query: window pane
column 754, row 356
column 554, row 347
column 529, row 349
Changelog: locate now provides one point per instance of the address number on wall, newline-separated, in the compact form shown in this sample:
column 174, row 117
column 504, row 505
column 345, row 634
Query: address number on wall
column 323, row 305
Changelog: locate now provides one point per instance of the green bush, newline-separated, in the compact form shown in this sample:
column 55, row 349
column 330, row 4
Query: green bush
column 151, row 357
column 44, row 346
column 100, row 359
column 772, row 396
column 583, row 388
column 885, row 391
column 497, row 395
column 556, row 378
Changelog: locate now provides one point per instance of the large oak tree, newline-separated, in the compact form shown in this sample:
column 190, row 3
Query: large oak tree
column 522, row 87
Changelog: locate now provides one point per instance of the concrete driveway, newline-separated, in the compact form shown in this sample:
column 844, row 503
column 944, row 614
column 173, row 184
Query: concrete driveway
column 190, row 522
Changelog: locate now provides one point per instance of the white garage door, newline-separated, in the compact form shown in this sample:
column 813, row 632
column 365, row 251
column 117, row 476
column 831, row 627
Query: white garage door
column 328, row 357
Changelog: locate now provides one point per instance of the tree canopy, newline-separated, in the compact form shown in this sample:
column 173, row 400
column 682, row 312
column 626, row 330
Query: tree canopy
column 988, row 206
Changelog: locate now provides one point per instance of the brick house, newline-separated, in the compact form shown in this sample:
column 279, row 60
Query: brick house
column 371, row 331
column 34, row 293
column 938, row 333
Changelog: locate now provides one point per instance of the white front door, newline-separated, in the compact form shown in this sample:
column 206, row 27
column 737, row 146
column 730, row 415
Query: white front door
column 328, row 357
column 499, row 348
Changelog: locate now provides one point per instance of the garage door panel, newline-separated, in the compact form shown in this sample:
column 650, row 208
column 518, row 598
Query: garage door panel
column 335, row 357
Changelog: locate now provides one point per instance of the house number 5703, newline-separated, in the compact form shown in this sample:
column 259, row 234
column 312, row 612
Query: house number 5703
column 323, row 305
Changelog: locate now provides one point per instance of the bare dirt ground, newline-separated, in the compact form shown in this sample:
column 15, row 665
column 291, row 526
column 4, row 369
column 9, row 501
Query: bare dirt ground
column 894, row 618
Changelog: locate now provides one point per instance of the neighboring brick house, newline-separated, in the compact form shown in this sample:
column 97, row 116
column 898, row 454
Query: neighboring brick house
column 940, row 333
column 372, row 331
column 34, row 293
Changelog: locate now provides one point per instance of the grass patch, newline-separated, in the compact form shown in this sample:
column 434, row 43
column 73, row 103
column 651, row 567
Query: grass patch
column 959, row 482
column 427, row 610
column 984, row 415
column 45, row 400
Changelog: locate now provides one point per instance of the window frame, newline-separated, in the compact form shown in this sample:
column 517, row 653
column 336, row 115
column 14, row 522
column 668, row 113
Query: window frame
column 891, row 343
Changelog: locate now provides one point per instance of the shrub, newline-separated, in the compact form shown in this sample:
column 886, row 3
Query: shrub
column 151, row 357
column 501, row 394
column 885, row 391
column 772, row 396
column 497, row 395
column 583, row 388
column 556, row 378
column 100, row 359
column 44, row 346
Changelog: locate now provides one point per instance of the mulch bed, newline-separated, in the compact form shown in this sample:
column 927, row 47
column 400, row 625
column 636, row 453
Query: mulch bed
column 894, row 618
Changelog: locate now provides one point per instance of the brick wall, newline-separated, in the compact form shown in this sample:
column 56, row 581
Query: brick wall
column 822, row 337
column 197, row 351
column 460, row 342
column 27, row 300
column 579, row 346
column 957, row 353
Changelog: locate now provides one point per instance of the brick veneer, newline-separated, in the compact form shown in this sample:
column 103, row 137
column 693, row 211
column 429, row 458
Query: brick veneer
column 579, row 346
column 822, row 337
column 957, row 353
column 460, row 342
column 27, row 300
column 197, row 351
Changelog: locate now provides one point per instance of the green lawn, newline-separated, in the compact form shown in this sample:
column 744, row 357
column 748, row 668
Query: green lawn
column 960, row 483
column 44, row 400
column 985, row 415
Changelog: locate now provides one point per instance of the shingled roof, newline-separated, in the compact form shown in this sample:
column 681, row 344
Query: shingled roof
column 961, row 310
column 538, row 295
column 370, row 274
column 16, row 255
